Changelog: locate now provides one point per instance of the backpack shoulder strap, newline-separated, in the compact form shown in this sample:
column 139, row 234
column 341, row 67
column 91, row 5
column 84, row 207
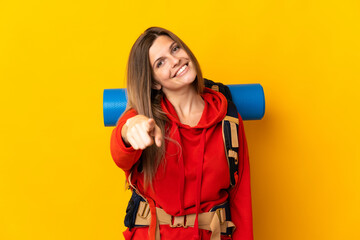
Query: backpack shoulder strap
column 230, row 127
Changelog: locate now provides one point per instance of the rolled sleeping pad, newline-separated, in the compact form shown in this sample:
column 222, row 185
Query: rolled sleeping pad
column 248, row 98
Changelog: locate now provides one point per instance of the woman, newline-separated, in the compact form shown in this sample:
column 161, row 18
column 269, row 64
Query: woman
column 170, row 145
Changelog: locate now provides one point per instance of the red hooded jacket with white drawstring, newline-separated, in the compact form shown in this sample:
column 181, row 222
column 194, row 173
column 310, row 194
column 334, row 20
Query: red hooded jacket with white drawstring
column 194, row 177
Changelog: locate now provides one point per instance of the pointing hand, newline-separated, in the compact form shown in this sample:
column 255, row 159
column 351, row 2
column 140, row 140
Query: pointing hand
column 140, row 132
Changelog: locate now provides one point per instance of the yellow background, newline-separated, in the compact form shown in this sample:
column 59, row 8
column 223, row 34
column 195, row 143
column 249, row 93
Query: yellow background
column 57, row 178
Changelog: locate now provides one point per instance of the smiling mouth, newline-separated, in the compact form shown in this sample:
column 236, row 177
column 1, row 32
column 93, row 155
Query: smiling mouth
column 181, row 70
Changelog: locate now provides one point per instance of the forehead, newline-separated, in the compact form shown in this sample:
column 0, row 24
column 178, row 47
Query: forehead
column 159, row 47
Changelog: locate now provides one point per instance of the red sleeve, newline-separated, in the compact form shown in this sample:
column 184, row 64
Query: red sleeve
column 124, row 157
column 240, row 195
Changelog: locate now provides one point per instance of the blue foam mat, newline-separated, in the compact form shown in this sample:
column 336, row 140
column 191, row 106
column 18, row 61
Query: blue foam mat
column 248, row 98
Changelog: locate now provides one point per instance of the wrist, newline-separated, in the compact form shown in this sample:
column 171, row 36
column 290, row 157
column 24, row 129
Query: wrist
column 124, row 130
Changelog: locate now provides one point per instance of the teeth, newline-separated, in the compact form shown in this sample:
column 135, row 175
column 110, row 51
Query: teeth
column 181, row 70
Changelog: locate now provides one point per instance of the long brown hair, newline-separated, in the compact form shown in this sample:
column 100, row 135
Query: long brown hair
column 146, row 100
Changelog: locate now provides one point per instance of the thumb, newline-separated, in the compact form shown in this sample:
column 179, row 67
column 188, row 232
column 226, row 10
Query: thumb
column 158, row 136
column 150, row 124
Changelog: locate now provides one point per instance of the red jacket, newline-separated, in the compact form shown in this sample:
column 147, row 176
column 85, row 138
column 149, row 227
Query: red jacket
column 194, row 176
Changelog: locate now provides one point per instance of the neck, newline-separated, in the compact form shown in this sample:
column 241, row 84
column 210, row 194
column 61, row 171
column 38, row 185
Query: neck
column 188, row 105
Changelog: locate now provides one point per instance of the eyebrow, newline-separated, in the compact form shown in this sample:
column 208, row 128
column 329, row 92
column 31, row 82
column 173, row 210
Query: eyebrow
column 161, row 56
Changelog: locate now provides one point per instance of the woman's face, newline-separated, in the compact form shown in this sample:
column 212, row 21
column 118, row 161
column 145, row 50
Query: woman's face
column 172, row 66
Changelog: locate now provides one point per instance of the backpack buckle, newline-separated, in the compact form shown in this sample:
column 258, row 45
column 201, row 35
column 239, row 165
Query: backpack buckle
column 220, row 212
column 178, row 221
column 144, row 210
column 234, row 155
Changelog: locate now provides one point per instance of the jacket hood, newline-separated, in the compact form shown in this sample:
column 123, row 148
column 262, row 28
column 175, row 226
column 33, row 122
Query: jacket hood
column 214, row 111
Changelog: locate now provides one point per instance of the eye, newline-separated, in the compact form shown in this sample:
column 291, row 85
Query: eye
column 160, row 63
column 176, row 47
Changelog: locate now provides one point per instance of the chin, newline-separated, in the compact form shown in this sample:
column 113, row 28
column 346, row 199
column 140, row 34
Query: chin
column 190, row 79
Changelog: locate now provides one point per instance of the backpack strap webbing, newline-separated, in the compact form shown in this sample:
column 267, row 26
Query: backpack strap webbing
column 230, row 127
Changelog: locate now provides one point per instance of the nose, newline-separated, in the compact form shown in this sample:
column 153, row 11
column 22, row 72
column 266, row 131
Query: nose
column 174, row 61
